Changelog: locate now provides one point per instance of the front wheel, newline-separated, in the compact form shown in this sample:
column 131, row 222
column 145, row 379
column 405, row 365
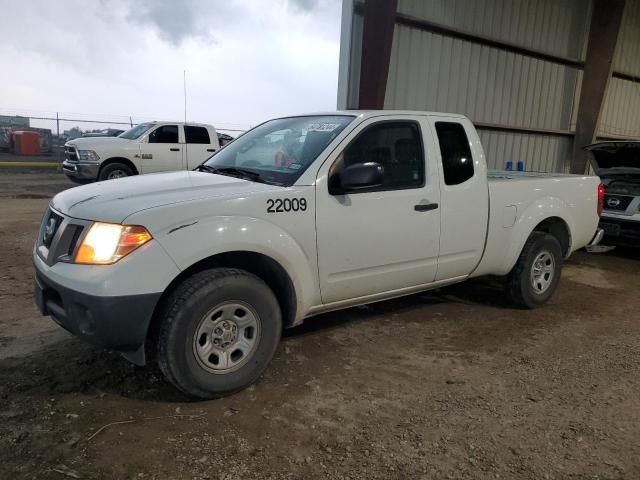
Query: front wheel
column 536, row 274
column 220, row 329
column 115, row 170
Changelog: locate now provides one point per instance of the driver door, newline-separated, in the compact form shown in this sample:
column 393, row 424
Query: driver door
column 385, row 238
column 163, row 150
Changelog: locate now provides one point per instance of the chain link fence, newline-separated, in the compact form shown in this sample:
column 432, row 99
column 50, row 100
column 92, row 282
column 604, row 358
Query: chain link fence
column 38, row 138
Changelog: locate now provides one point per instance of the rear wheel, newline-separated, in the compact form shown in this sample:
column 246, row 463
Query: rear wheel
column 220, row 329
column 536, row 274
column 115, row 170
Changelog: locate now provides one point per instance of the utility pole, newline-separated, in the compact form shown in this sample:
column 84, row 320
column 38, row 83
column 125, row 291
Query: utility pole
column 60, row 150
column 184, row 87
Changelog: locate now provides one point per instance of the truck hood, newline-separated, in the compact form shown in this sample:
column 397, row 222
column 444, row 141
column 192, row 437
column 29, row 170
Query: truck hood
column 114, row 200
column 615, row 158
column 97, row 143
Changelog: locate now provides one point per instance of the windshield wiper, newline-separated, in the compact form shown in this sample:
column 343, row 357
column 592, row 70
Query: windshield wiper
column 232, row 172
column 205, row 168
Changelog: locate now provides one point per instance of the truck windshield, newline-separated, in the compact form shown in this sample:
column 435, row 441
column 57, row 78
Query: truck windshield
column 278, row 151
column 137, row 131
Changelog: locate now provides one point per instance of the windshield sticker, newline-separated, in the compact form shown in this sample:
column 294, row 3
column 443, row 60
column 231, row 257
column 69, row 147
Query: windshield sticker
column 322, row 127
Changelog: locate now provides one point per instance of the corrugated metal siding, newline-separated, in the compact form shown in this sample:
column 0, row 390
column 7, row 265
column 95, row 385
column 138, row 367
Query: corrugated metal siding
column 620, row 115
column 554, row 26
column 576, row 101
column 627, row 58
column 621, row 110
column 430, row 71
column 540, row 153
column 436, row 72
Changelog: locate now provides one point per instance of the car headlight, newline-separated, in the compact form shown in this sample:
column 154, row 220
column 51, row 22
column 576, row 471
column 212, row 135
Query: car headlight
column 106, row 243
column 88, row 156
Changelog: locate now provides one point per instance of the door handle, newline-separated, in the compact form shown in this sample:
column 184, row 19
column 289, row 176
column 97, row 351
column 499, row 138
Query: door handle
column 174, row 149
column 425, row 207
column 211, row 149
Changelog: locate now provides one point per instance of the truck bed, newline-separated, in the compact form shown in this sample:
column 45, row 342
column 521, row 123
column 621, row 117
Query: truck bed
column 515, row 198
column 508, row 175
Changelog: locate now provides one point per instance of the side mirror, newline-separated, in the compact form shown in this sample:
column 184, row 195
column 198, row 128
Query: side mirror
column 353, row 178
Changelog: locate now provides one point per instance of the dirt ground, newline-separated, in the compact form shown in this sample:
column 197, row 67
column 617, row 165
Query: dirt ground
column 450, row 384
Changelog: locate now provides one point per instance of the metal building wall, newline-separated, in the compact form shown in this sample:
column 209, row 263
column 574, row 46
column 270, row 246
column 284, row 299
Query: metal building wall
column 492, row 61
column 431, row 71
column 554, row 26
column 541, row 153
column 621, row 111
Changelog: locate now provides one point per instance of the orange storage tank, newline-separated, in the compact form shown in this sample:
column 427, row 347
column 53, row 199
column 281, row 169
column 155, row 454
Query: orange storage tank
column 25, row 143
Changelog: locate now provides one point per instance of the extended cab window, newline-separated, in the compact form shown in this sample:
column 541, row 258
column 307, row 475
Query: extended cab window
column 457, row 162
column 196, row 134
column 164, row 134
column 397, row 146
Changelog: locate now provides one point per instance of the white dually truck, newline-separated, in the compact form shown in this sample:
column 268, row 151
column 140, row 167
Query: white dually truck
column 201, row 270
column 146, row 148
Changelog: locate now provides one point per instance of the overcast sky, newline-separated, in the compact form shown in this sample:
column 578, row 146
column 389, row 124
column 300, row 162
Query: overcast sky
column 246, row 60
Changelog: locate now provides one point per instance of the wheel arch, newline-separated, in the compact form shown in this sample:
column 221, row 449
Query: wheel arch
column 123, row 160
column 263, row 266
column 552, row 224
column 505, row 241
column 559, row 228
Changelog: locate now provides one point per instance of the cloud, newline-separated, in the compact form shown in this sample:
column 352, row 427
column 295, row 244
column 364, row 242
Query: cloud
column 177, row 21
column 245, row 60
column 304, row 5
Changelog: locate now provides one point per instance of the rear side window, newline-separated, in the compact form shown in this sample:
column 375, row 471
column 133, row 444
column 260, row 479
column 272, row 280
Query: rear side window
column 397, row 146
column 164, row 134
column 196, row 134
column 457, row 162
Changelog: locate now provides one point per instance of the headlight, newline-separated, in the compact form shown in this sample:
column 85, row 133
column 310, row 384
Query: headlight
column 107, row 243
column 88, row 156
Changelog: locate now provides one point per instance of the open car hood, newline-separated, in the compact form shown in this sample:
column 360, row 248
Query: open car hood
column 616, row 157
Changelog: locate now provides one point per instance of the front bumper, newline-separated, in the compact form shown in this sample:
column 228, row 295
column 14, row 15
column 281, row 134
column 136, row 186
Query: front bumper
column 108, row 305
column 118, row 323
column 80, row 170
column 620, row 232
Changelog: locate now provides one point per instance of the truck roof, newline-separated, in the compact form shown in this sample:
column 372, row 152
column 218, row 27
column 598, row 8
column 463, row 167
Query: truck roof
column 198, row 124
column 375, row 113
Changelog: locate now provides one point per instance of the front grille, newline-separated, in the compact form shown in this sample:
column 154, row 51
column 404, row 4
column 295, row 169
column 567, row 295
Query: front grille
column 59, row 237
column 617, row 202
column 50, row 227
column 70, row 154
column 73, row 239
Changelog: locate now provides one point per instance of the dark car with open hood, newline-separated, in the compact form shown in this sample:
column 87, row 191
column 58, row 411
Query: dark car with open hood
column 617, row 163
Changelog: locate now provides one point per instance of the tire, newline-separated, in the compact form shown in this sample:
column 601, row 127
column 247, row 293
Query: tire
column 115, row 170
column 526, row 288
column 199, row 318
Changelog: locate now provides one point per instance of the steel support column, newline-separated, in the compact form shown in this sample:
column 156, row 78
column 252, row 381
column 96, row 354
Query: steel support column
column 377, row 36
column 603, row 38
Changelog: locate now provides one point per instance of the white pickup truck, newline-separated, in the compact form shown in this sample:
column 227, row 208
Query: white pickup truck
column 146, row 148
column 201, row 270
